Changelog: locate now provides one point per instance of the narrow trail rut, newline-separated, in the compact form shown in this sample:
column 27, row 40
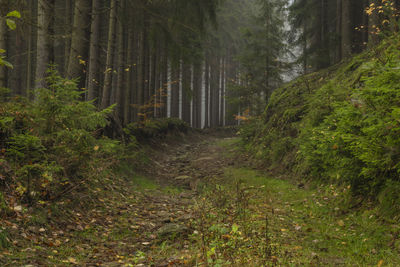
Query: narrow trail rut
column 167, row 216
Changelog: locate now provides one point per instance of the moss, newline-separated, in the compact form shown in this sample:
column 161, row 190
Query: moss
column 339, row 125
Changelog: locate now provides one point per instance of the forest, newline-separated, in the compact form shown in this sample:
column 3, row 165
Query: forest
column 199, row 133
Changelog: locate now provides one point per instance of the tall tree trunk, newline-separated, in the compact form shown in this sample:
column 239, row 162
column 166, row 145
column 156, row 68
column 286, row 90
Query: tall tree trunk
column 153, row 81
column 29, row 64
column 214, row 91
column 135, row 81
column 105, row 101
column 222, row 114
column 79, row 41
column 129, row 87
column 197, row 94
column 140, row 77
column 120, row 62
column 338, row 53
column 175, row 76
column 67, row 33
column 42, row 42
column 347, row 28
column 92, row 80
column 186, row 92
column 158, row 82
column 146, row 66
column 207, row 92
column 164, row 82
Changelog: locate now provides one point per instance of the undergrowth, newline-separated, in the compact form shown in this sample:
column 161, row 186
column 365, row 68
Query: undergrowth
column 340, row 126
column 249, row 219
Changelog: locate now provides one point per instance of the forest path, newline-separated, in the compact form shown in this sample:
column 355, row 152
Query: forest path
column 180, row 170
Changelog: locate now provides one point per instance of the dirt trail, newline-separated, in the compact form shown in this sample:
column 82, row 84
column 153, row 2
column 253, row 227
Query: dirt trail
column 169, row 216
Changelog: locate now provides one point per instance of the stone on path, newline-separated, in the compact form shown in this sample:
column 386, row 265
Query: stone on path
column 172, row 229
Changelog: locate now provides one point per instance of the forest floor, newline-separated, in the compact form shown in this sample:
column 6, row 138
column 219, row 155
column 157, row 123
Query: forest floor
column 200, row 205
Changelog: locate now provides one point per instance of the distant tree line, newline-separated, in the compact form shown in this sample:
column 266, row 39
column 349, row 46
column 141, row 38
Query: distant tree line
column 331, row 30
column 152, row 59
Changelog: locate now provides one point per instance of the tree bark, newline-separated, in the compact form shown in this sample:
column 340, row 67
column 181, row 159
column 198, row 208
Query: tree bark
column 186, row 92
column 79, row 41
column 347, row 28
column 164, row 81
column 42, row 42
column 197, row 94
column 129, row 85
column 92, row 80
column 214, row 89
column 67, row 33
column 105, row 101
column 338, row 53
column 120, row 63
column 206, row 92
column 222, row 114
column 175, row 76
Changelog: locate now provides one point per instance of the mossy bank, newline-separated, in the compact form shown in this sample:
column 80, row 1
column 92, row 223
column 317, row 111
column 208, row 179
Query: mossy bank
column 338, row 126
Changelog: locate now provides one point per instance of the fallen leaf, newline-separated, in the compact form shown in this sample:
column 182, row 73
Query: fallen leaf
column 72, row 260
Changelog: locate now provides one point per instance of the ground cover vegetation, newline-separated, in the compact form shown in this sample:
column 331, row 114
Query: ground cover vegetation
column 338, row 126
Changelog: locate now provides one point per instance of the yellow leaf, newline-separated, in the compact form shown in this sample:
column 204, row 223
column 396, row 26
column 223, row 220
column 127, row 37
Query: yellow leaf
column 340, row 223
column 96, row 148
column 380, row 263
column 72, row 260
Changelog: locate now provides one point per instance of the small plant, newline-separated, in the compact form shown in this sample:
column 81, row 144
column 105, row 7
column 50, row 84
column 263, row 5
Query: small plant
column 4, row 241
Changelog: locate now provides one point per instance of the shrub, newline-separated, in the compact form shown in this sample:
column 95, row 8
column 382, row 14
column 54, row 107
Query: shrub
column 51, row 142
column 343, row 125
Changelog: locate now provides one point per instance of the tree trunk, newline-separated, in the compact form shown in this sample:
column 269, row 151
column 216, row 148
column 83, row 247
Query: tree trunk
column 197, row 95
column 146, row 67
column 206, row 92
column 67, row 33
column 92, row 81
column 157, row 82
column 78, row 51
column 135, row 74
column 105, row 101
column 222, row 114
column 347, row 28
column 153, row 81
column 338, row 54
column 164, row 81
column 214, row 89
column 175, row 76
column 186, row 92
column 140, row 78
column 42, row 42
column 128, row 88
column 121, row 63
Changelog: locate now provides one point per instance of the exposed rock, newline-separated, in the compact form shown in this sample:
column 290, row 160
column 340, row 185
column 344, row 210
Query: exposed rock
column 183, row 178
column 203, row 159
column 172, row 229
